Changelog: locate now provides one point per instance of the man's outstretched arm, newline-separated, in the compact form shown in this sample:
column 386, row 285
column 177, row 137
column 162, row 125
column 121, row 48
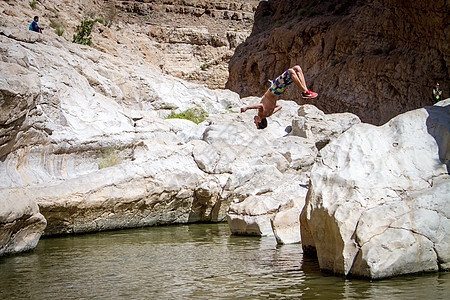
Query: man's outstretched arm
column 254, row 106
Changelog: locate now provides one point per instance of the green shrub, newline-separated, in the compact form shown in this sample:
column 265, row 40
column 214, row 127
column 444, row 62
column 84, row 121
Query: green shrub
column 334, row 62
column 108, row 157
column 59, row 31
column 83, row 32
column 100, row 20
column 33, row 4
column 110, row 15
column 59, row 28
column 194, row 114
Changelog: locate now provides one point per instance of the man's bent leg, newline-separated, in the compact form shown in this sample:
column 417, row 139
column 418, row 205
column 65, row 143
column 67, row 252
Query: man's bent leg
column 298, row 78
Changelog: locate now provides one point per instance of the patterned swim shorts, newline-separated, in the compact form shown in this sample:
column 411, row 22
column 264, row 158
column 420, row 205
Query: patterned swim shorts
column 280, row 83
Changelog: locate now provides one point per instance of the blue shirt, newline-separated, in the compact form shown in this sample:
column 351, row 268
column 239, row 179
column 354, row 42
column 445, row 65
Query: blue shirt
column 34, row 26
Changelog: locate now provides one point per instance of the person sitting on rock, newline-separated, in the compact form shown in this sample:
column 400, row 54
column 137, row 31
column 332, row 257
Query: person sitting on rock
column 437, row 93
column 34, row 25
column 268, row 105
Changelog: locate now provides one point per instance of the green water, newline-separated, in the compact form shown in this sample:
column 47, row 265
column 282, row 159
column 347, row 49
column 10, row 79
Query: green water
column 189, row 262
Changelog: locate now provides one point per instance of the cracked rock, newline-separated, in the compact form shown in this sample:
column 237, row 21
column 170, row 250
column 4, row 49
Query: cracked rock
column 376, row 210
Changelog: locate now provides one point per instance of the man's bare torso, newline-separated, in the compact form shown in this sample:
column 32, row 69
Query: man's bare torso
column 269, row 102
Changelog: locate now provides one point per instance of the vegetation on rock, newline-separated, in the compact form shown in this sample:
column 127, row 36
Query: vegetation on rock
column 83, row 31
column 33, row 4
column 58, row 26
column 194, row 114
column 108, row 158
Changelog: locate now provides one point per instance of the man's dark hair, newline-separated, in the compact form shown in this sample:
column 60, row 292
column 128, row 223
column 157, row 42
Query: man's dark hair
column 35, row 17
column 262, row 124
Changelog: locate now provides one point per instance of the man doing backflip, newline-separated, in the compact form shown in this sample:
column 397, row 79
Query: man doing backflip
column 268, row 105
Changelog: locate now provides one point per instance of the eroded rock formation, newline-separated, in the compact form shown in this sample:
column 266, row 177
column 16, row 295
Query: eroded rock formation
column 378, row 202
column 375, row 59
column 84, row 137
column 193, row 40
column 278, row 212
column 21, row 223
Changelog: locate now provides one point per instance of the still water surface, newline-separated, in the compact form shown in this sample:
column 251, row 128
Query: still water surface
column 200, row 261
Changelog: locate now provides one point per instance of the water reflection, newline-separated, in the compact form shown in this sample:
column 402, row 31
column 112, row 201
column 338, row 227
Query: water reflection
column 195, row 261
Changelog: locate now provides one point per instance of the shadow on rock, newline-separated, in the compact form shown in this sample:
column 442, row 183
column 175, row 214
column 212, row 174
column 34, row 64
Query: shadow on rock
column 438, row 126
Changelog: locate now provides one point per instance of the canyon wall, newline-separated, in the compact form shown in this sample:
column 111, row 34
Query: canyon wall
column 372, row 58
column 191, row 39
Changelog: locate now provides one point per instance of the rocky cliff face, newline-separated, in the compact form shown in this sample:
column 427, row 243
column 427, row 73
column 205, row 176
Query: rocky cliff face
column 83, row 136
column 193, row 40
column 372, row 58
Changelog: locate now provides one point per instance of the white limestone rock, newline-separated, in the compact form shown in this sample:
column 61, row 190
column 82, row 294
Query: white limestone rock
column 286, row 223
column 299, row 152
column 378, row 200
column 21, row 224
column 252, row 216
column 263, row 210
column 315, row 125
column 19, row 90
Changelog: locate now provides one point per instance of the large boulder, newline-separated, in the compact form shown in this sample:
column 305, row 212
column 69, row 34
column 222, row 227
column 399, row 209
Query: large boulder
column 273, row 206
column 152, row 189
column 314, row 125
column 378, row 199
column 21, row 224
column 254, row 214
column 286, row 223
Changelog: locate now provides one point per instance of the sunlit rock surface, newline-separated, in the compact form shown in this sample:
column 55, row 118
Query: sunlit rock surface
column 378, row 203
column 84, row 135
column 21, row 224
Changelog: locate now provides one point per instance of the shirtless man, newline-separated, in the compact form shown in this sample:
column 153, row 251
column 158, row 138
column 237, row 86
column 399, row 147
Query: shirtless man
column 268, row 105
